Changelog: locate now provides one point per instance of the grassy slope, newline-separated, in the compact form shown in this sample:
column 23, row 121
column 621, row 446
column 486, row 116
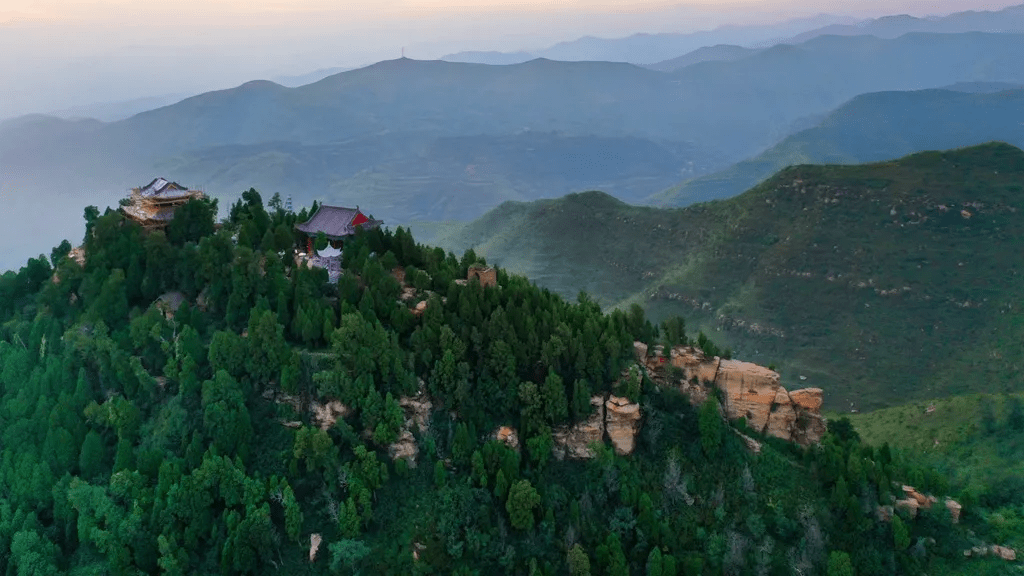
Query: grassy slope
column 855, row 277
column 949, row 431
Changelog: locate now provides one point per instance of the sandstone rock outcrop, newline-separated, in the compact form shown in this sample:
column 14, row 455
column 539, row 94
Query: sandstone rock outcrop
column 954, row 508
column 508, row 436
column 751, row 444
column 694, row 365
column 908, row 504
column 808, row 398
column 617, row 416
column 750, row 391
column 622, row 419
column 1004, row 552
column 574, row 441
column 314, row 545
column 417, row 416
column 325, row 415
column 913, row 501
column 922, row 500
column 1008, row 554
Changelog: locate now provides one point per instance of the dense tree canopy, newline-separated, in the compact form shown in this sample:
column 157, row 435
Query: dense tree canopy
column 138, row 437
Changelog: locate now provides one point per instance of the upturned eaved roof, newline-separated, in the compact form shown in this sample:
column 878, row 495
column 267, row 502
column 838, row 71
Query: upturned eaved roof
column 161, row 188
column 337, row 222
column 153, row 205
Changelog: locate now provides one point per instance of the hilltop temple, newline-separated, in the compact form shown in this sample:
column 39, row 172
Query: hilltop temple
column 336, row 223
column 153, row 205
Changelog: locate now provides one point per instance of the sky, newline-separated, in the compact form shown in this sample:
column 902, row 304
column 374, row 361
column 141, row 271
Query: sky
column 58, row 54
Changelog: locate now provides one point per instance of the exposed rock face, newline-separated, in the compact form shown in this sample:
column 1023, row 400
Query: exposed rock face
column 575, row 441
column 417, row 410
column 622, row 419
column 1004, row 552
column 617, row 416
column 908, row 504
column 641, row 352
column 914, row 501
column 808, row 398
column 751, row 391
column 782, row 417
column 954, row 508
column 405, row 447
column 417, row 416
column 922, row 500
column 314, row 545
column 325, row 415
column 810, row 428
column 752, row 445
column 508, row 436
column 694, row 365
column 884, row 513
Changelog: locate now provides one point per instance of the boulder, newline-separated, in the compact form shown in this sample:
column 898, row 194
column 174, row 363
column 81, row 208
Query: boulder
column 622, row 419
column 314, row 545
column 954, row 508
column 884, row 513
column 753, row 445
column 922, row 500
column 808, row 398
column 1004, row 552
column 640, row 349
column 574, row 441
column 508, row 436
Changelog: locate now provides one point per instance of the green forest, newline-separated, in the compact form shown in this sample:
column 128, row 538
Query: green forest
column 135, row 441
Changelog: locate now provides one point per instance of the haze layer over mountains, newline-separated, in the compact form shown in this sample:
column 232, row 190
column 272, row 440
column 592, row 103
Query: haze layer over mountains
column 434, row 141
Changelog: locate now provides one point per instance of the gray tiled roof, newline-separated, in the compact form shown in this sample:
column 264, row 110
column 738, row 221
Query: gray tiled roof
column 335, row 222
column 160, row 187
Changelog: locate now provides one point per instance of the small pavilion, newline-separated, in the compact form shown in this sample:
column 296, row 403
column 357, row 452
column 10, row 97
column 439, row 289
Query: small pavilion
column 336, row 223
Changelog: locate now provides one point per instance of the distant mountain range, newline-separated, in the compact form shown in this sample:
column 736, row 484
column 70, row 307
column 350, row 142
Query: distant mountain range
column 375, row 136
column 652, row 48
column 870, row 128
column 1010, row 19
column 881, row 283
column 717, row 53
column 658, row 51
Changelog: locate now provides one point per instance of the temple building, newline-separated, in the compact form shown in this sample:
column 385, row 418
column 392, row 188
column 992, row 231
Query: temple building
column 153, row 205
column 336, row 223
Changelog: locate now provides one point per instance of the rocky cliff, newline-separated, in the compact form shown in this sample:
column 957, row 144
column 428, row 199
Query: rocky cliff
column 749, row 391
column 616, row 416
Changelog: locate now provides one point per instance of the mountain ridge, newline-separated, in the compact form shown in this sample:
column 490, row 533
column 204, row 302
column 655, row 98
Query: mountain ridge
column 819, row 268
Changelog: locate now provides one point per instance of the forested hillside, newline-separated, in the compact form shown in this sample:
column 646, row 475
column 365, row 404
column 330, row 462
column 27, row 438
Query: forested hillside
column 143, row 438
column 881, row 283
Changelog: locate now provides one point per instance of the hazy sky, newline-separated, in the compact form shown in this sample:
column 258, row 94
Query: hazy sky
column 55, row 54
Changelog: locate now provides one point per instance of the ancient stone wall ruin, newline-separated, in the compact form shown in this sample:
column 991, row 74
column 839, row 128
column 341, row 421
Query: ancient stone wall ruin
column 486, row 275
